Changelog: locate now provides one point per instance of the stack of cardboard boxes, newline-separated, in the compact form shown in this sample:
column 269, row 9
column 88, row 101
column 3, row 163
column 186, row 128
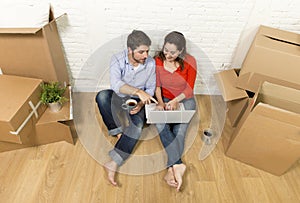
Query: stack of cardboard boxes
column 263, row 102
column 28, row 57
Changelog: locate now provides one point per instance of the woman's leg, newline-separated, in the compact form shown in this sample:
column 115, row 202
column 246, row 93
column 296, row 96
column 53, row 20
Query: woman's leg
column 179, row 131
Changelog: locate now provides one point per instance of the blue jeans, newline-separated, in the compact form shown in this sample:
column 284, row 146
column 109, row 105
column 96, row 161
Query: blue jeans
column 172, row 135
column 109, row 104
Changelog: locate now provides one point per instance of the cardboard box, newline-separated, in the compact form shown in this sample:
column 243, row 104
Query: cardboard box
column 56, row 126
column 51, row 127
column 252, row 82
column 33, row 52
column 238, row 89
column 20, row 108
column 37, row 53
column 239, row 108
column 274, row 53
column 236, row 99
column 265, row 129
column 268, row 135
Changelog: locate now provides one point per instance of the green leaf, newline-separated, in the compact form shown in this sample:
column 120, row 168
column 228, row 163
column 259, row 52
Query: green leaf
column 52, row 92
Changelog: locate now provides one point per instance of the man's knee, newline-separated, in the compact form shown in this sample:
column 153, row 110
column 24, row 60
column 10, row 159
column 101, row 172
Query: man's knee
column 140, row 125
column 134, row 130
column 103, row 96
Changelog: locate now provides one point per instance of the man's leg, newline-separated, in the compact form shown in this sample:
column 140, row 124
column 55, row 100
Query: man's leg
column 129, row 138
column 111, row 168
column 125, row 144
column 109, row 105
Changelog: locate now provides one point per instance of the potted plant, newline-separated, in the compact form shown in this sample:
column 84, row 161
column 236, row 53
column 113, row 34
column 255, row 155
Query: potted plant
column 52, row 95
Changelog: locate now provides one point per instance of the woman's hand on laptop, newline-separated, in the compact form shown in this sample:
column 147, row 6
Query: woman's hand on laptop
column 172, row 105
column 160, row 107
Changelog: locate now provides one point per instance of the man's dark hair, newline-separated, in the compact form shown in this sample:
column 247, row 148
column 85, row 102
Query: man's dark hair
column 137, row 38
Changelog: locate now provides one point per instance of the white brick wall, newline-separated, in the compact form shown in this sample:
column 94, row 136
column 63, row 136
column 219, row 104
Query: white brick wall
column 219, row 32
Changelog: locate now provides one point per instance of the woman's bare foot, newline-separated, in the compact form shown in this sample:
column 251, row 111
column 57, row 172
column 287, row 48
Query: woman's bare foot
column 170, row 179
column 111, row 168
column 178, row 170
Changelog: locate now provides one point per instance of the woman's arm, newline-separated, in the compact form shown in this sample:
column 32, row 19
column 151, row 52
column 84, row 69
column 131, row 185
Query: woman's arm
column 161, row 104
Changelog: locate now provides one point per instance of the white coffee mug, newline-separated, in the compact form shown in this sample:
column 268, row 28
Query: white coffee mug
column 129, row 104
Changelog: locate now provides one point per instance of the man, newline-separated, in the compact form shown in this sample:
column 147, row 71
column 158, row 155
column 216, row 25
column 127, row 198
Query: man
column 132, row 75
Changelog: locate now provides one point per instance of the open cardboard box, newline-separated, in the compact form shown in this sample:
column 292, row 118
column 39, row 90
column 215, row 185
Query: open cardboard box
column 37, row 53
column 252, row 81
column 239, row 108
column 238, row 89
column 274, row 56
column 268, row 135
column 262, row 136
column 33, row 52
column 20, row 108
column 236, row 99
column 274, row 53
column 56, row 126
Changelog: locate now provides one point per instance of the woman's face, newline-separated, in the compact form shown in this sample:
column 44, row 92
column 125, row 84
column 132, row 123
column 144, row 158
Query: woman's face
column 171, row 52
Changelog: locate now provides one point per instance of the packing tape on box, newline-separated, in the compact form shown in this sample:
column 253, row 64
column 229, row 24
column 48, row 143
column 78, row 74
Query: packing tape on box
column 33, row 112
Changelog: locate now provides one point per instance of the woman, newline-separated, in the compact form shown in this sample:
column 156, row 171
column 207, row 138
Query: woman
column 175, row 78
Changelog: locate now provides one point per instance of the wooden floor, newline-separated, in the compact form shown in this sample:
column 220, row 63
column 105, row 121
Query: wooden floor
column 61, row 172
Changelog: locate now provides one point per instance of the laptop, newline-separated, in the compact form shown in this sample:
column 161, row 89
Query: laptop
column 176, row 116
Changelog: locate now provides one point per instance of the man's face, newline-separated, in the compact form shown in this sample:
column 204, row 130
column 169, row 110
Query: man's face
column 140, row 54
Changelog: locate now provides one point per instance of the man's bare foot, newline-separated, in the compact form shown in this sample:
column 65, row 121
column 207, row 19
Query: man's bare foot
column 111, row 168
column 178, row 170
column 170, row 179
column 119, row 136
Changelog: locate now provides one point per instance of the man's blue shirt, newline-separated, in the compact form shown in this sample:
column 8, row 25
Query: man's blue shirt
column 122, row 72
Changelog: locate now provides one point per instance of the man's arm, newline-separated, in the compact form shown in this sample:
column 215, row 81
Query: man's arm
column 116, row 66
column 150, row 84
column 119, row 86
column 144, row 96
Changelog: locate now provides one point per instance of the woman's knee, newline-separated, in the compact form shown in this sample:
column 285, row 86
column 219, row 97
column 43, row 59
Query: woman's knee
column 160, row 126
column 190, row 104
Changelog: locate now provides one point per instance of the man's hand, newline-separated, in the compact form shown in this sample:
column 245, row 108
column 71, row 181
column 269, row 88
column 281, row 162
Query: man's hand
column 137, row 108
column 145, row 97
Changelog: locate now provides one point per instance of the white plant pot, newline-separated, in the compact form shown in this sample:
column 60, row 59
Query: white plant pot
column 55, row 107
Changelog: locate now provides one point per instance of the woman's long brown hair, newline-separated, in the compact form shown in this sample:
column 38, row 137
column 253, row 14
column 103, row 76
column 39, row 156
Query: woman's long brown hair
column 176, row 38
